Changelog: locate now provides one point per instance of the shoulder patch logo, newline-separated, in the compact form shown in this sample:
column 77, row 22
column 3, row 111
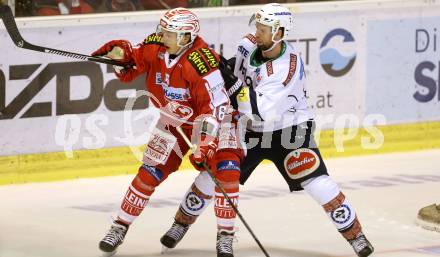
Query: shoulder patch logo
column 209, row 56
column 153, row 39
column 269, row 68
column 198, row 63
column 251, row 38
column 292, row 69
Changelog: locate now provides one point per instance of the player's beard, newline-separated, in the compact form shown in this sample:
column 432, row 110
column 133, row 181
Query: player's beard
column 264, row 47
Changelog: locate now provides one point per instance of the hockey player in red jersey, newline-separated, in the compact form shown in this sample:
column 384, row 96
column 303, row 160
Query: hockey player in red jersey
column 184, row 82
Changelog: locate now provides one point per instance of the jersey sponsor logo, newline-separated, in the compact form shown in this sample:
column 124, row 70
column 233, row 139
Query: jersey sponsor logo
column 179, row 111
column 341, row 215
column 251, row 37
column 283, row 13
column 227, row 138
column 133, row 203
column 214, row 85
column 243, row 51
column 228, row 165
column 153, row 39
column 243, row 95
column 176, row 94
column 292, row 69
column 159, row 78
column 269, row 68
column 235, row 87
column 258, row 74
column 222, row 207
column 221, row 202
column 215, row 88
column 198, row 63
column 172, row 93
column 159, row 147
column 210, row 57
column 301, row 162
column 153, row 171
column 193, row 202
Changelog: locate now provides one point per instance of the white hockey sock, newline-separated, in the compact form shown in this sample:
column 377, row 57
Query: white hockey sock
column 327, row 193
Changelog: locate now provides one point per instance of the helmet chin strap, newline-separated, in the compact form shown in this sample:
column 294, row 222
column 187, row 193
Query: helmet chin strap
column 182, row 47
column 274, row 42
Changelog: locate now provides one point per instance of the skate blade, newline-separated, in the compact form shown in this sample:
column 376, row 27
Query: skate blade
column 165, row 250
column 106, row 254
column 428, row 225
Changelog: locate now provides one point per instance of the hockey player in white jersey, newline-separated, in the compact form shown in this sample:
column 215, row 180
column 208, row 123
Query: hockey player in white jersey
column 267, row 87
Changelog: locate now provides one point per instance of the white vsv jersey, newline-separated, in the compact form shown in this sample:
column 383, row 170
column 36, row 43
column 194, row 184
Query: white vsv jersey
column 274, row 94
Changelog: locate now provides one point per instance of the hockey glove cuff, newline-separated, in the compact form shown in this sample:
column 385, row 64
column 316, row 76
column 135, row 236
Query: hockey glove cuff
column 120, row 50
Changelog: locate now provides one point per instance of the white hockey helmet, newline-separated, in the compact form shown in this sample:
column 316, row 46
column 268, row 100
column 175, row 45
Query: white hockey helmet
column 276, row 16
column 182, row 21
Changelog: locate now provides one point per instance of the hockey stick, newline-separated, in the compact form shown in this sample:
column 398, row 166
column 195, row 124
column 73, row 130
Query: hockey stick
column 9, row 21
column 211, row 174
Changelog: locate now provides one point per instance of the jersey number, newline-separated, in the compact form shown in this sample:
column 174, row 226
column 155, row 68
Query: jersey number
column 220, row 112
column 243, row 70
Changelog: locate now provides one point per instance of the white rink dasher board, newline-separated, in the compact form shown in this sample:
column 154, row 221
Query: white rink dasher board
column 352, row 36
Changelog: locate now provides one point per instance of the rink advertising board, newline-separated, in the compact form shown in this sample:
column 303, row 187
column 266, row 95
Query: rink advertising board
column 354, row 65
column 405, row 87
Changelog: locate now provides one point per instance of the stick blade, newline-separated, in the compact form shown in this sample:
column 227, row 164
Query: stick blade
column 10, row 25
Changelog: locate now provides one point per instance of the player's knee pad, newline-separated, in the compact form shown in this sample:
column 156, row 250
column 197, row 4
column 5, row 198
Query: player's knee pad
column 227, row 172
column 204, row 184
column 150, row 176
column 196, row 199
column 322, row 189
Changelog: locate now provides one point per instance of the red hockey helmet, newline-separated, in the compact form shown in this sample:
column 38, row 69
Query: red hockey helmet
column 182, row 21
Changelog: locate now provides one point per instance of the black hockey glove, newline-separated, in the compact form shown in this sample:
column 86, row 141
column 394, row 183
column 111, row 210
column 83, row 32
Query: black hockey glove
column 233, row 84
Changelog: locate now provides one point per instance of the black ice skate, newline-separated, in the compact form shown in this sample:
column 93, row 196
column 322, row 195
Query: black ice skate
column 115, row 236
column 224, row 244
column 173, row 236
column 361, row 246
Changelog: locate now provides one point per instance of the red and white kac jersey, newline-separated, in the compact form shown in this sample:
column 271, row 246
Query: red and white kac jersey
column 186, row 87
